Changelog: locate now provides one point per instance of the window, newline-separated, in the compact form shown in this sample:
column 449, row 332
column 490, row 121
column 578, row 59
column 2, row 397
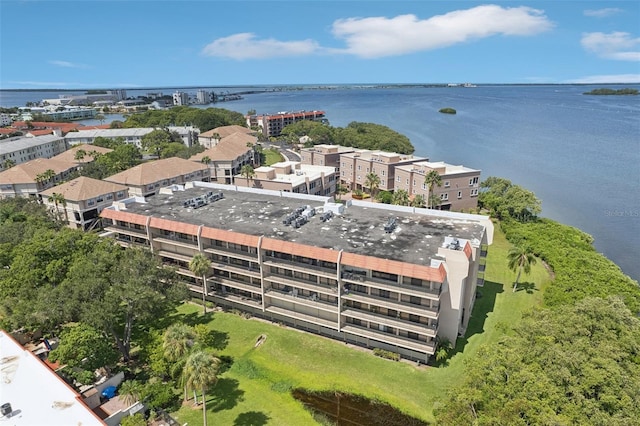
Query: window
column 109, row 196
column 444, row 196
column 474, row 192
column 414, row 182
column 447, row 184
column 343, row 164
column 384, row 173
column 407, row 181
column 91, row 202
column 459, row 194
column 367, row 170
column 120, row 194
column 100, row 199
column 473, row 181
column 424, row 186
column 359, row 168
column 398, row 179
column 384, row 294
column 414, row 300
column 342, row 173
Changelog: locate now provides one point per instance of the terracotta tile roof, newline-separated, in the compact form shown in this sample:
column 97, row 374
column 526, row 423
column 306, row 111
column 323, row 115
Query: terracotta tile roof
column 40, row 132
column 27, row 172
column 228, row 149
column 70, row 154
column 5, row 131
column 155, row 171
column 301, row 250
column 124, row 216
column 230, row 236
column 225, row 131
column 83, row 188
column 171, row 225
column 394, row 267
column 65, row 127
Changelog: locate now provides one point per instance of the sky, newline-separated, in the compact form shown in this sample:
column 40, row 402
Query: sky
column 156, row 43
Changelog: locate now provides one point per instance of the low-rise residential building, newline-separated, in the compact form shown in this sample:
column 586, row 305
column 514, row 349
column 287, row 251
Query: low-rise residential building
column 33, row 394
column 82, row 200
column 356, row 165
column 272, row 124
column 22, row 149
column 212, row 137
column 28, row 179
column 226, row 158
column 146, row 179
column 81, row 154
column 132, row 136
column 324, row 155
column 292, row 176
column 459, row 189
column 370, row 274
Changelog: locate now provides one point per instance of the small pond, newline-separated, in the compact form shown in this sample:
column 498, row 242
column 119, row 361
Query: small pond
column 344, row 409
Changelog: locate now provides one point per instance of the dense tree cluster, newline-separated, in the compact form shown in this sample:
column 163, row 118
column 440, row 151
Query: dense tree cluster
column 505, row 200
column 578, row 365
column 203, row 119
column 357, row 135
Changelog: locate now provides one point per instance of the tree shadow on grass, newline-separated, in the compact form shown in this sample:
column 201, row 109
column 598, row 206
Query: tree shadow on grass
column 530, row 288
column 251, row 418
column 225, row 395
column 484, row 304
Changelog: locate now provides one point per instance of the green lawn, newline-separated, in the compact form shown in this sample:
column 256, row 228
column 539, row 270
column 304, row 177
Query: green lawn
column 272, row 156
column 255, row 389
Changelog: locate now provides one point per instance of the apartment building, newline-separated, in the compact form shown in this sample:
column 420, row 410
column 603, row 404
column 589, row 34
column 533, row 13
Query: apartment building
column 356, row 165
column 212, row 137
column 180, row 98
column 5, row 120
column 460, row 184
column 22, row 149
column 226, row 158
column 28, row 179
column 84, row 199
column 292, row 176
column 132, row 136
column 272, row 124
column 81, row 154
column 146, row 179
column 373, row 275
column 324, row 155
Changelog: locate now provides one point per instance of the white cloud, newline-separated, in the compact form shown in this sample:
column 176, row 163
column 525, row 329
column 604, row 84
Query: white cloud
column 614, row 78
column 247, row 46
column 602, row 13
column 617, row 45
column 379, row 36
column 67, row 64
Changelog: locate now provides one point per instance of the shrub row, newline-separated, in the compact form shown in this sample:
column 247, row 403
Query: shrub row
column 386, row 354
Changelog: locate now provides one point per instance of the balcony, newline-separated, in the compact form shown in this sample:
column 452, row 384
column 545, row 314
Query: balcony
column 382, row 302
column 406, row 289
column 175, row 241
column 302, row 267
column 141, row 233
column 303, row 317
column 237, row 298
column 305, row 285
column 240, row 270
column 392, row 322
column 218, row 281
column 176, row 256
column 302, row 300
column 224, row 251
column 380, row 336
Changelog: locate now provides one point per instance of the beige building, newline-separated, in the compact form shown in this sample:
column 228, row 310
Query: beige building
column 211, row 138
column 147, row 178
column 355, row 166
column 324, row 155
column 226, row 158
column 272, row 124
column 71, row 155
column 84, row 199
column 28, row 179
column 372, row 275
column 459, row 190
column 292, row 176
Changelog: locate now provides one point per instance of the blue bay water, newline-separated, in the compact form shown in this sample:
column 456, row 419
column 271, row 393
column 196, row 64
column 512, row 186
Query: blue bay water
column 580, row 154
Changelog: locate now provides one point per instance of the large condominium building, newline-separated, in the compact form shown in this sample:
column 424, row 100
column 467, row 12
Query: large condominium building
column 355, row 166
column 459, row 189
column 132, row 136
column 272, row 124
column 180, row 98
column 377, row 276
column 292, row 176
column 22, row 149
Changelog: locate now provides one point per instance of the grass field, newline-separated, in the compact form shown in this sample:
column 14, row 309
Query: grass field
column 255, row 389
column 272, row 156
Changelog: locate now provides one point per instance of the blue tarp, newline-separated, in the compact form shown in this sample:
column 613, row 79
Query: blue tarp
column 109, row 392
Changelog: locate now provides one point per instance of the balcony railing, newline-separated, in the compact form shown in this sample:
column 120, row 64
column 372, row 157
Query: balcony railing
column 299, row 266
column 224, row 251
column 305, row 285
column 392, row 322
column 218, row 281
column 240, row 270
column 177, row 242
column 380, row 284
column 309, row 301
column 382, row 302
column 303, row 317
column 236, row 298
column 141, row 233
column 383, row 337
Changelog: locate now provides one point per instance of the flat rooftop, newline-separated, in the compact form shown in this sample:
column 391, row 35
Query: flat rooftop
column 360, row 229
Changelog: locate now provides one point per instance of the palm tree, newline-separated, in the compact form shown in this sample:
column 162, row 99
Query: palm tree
column 100, row 117
column 434, row 200
column 372, row 181
column 45, row 176
column 248, row 172
column 8, row 164
column 401, row 197
column 432, row 179
column 80, row 154
column 340, row 191
column 200, row 372
column 521, row 259
column 177, row 341
column 418, row 201
column 130, row 392
column 200, row 265
column 206, row 160
column 57, row 200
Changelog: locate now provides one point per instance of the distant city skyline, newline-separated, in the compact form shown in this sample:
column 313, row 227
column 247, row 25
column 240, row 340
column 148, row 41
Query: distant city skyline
column 144, row 43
